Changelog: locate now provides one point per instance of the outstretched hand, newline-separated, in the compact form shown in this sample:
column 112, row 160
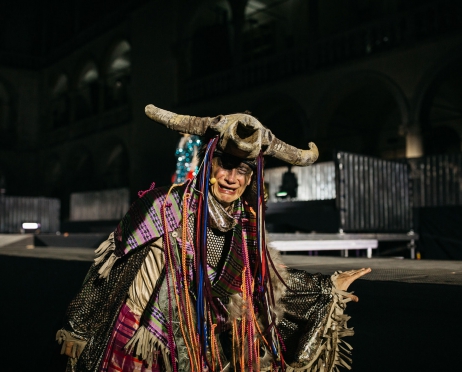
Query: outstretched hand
column 344, row 280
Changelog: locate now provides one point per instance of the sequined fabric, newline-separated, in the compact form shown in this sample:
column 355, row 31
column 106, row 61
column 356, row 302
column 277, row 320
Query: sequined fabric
column 217, row 241
column 305, row 314
column 215, row 244
column 93, row 311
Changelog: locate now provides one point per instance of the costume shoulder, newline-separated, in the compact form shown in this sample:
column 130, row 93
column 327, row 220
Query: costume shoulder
column 157, row 210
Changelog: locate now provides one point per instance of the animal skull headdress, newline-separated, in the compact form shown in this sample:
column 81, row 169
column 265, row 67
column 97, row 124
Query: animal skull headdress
column 240, row 135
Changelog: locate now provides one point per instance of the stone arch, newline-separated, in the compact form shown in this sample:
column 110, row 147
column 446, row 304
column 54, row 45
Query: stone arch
column 268, row 27
column 215, row 34
column 87, row 90
column 204, row 44
column 286, row 118
column 365, row 112
column 87, row 74
column 60, row 101
column 117, row 71
column 60, row 85
column 437, row 105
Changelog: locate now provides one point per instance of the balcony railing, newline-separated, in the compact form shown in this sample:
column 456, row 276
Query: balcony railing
column 374, row 37
column 437, row 180
column 14, row 210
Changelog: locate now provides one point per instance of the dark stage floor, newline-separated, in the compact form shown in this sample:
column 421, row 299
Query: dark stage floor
column 406, row 320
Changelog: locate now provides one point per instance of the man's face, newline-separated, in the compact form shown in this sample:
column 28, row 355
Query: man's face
column 232, row 177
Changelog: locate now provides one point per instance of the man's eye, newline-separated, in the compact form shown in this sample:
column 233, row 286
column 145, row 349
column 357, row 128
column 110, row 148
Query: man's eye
column 242, row 170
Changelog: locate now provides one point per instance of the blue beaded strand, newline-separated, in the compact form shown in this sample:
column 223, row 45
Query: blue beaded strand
column 185, row 156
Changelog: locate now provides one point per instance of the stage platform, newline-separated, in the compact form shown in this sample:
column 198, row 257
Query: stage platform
column 406, row 318
column 383, row 269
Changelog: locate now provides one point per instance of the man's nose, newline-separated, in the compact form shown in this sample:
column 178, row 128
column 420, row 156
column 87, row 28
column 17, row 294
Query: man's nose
column 231, row 175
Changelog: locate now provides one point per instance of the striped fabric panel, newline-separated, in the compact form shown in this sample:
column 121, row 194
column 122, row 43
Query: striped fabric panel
column 115, row 358
column 230, row 279
column 142, row 224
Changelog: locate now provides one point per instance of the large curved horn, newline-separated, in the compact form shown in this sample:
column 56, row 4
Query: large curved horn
column 179, row 123
column 291, row 154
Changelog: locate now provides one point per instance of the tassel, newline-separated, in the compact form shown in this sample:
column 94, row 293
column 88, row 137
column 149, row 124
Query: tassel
column 143, row 343
column 107, row 266
column 333, row 352
column 106, row 246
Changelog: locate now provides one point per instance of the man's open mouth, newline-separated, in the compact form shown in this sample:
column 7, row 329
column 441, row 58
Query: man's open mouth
column 226, row 190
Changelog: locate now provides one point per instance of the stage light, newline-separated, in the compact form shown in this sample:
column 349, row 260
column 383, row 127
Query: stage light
column 289, row 185
column 30, row 226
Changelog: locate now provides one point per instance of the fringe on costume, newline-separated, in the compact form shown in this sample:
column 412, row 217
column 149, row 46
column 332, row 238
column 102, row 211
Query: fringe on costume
column 104, row 247
column 334, row 352
column 143, row 344
column 235, row 307
column 100, row 253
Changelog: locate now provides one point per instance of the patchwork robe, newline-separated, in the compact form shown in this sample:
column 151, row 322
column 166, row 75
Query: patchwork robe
column 310, row 317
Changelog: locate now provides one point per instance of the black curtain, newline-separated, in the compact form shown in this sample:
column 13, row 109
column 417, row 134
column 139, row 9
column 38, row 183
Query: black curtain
column 440, row 232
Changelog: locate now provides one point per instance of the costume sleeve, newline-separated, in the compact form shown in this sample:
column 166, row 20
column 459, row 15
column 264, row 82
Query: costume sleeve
column 313, row 323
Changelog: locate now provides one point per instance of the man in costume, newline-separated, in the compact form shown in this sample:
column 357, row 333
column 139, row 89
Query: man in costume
column 187, row 281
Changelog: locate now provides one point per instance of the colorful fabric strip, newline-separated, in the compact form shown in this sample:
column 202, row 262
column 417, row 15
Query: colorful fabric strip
column 115, row 358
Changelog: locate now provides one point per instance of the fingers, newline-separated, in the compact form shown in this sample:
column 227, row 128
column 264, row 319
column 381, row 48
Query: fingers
column 346, row 278
column 353, row 297
column 68, row 351
column 355, row 274
column 362, row 272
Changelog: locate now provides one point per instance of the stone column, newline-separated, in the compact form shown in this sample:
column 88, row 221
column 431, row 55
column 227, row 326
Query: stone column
column 414, row 143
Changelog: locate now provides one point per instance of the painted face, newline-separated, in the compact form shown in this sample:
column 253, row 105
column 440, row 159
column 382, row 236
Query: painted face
column 232, row 177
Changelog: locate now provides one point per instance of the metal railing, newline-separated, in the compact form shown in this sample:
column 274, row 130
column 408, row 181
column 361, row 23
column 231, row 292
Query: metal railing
column 99, row 205
column 437, row 180
column 373, row 194
column 15, row 210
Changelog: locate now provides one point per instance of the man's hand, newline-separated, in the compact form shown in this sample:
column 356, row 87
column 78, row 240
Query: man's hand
column 68, row 351
column 344, row 280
